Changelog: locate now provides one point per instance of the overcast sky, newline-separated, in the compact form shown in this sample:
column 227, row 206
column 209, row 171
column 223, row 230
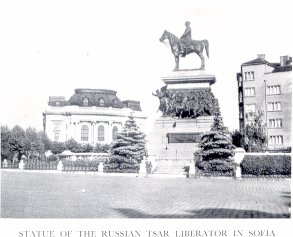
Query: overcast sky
column 52, row 47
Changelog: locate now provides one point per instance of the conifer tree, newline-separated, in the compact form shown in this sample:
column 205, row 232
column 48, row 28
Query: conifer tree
column 127, row 150
column 217, row 149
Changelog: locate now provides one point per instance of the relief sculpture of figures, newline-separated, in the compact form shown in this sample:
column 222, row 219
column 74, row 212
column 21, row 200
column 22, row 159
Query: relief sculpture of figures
column 186, row 103
column 164, row 100
column 185, row 45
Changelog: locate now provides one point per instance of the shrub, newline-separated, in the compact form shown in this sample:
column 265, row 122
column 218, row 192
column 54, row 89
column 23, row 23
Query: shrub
column 53, row 158
column 81, row 162
column 102, row 148
column 57, row 147
column 73, row 146
column 266, row 165
column 218, row 167
column 121, row 164
column 87, row 148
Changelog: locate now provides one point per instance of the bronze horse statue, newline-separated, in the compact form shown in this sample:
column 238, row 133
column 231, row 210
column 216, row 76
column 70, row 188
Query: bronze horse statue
column 196, row 46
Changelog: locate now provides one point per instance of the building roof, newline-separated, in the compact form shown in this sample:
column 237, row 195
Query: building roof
column 286, row 68
column 278, row 67
column 94, row 97
column 256, row 62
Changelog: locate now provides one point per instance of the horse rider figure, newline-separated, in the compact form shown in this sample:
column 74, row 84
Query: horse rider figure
column 185, row 40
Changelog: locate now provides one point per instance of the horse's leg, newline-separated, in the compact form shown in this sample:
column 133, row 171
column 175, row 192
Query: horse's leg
column 177, row 62
column 202, row 61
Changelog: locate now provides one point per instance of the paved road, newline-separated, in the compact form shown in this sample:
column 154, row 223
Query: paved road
column 43, row 195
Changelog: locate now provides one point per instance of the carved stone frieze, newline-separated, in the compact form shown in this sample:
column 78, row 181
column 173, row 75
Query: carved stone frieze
column 187, row 103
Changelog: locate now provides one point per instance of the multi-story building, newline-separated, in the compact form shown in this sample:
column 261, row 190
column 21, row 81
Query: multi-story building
column 89, row 116
column 267, row 87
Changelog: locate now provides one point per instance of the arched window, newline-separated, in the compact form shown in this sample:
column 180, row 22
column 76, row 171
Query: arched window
column 84, row 133
column 101, row 102
column 85, row 102
column 101, row 133
column 114, row 132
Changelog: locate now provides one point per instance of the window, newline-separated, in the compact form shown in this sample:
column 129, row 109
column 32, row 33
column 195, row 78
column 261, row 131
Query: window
column 249, row 76
column 250, row 91
column 56, row 130
column 114, row 132
column 101, row 102
column 274, row 106
column 250, row 108
column 56, row 137
column 84, row 133
column 115, row 102
column 85, row 102
column 56, row 126
column 101, row 133
column 276, row 140
column 275, row 123
column 273, row 90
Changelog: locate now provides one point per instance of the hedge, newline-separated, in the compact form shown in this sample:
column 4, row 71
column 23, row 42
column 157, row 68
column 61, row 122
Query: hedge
column 260, row 165
column 81, row 162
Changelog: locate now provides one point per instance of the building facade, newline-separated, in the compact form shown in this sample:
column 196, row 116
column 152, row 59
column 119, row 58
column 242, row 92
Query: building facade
column 89, row 116
column 267, row 87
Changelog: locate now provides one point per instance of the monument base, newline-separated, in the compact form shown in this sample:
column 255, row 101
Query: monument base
column 188, row 107
column 173, row 141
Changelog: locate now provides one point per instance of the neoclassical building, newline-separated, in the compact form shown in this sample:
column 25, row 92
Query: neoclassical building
column 89, row 116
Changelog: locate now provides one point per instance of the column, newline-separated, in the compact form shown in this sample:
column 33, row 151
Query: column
column 92, row 133
column 74, row 125
column 110, row 128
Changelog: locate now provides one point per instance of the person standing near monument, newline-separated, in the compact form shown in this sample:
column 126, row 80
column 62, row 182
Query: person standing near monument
column 185, row 39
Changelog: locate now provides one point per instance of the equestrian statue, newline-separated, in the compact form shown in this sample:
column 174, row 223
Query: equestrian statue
column 185, row 45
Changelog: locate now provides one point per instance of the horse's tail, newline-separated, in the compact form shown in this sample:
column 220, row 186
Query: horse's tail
column 206, row 45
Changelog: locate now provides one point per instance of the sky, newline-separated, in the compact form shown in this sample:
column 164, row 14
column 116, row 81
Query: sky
column 50, row 48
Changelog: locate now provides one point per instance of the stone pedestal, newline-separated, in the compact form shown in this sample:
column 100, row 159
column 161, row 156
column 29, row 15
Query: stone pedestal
column 238, row 157
column 60, row 166
column 101, row 167
column 189, row 109
column 142, row 168
column 21, row 165
column 5, row 163
column 170, row 156
column 188, row 79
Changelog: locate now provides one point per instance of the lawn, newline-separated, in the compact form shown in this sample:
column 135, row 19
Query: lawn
column 44, row 195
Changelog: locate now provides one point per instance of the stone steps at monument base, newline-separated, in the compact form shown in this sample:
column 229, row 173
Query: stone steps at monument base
column 170, row 166
column 174, row 153
column 169, row 170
